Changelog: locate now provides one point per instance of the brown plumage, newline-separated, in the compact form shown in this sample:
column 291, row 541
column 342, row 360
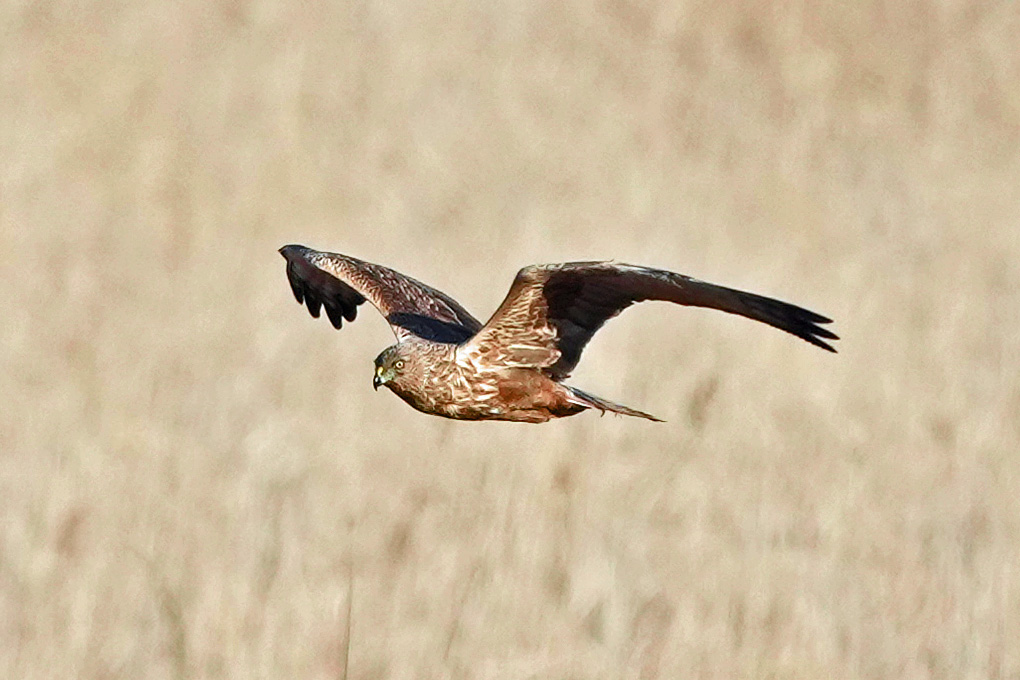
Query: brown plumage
column 449, row 364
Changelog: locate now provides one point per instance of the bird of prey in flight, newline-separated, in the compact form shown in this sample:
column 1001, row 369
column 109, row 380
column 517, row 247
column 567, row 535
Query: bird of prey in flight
column 447, row 363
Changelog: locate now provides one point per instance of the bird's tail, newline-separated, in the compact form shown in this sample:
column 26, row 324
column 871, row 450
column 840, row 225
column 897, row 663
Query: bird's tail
column 591, row 401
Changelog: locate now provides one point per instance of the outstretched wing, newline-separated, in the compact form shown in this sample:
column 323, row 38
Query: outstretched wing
column 552, row 311
column 341, row 283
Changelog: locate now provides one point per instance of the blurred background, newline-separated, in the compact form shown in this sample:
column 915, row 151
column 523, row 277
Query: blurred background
column 197, row 480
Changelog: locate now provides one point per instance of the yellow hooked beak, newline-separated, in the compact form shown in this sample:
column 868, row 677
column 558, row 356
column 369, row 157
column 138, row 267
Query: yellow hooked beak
column 380, row 377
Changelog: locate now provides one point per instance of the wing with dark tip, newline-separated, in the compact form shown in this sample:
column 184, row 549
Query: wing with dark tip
column 552, row 311
column 340, row 283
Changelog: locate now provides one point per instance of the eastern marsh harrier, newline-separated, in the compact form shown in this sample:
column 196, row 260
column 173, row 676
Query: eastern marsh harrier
column 447, row 363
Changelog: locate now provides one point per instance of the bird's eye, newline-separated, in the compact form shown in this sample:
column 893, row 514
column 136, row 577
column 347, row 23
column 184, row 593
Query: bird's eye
column 399, row 364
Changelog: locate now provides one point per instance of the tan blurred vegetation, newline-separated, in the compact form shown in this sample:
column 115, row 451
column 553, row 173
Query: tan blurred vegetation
column 197, row 481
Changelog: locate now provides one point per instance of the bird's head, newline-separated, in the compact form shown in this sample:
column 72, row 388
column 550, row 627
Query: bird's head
column 389, row 366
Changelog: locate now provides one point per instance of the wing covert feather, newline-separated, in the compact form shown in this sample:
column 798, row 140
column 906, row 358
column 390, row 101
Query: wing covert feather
column 340, row 283
column 552, row 311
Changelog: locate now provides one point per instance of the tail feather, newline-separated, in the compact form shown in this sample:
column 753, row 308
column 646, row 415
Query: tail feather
column 591, row 401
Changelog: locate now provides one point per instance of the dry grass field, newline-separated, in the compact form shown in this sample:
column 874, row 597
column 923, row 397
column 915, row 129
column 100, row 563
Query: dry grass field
column 197, row 480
